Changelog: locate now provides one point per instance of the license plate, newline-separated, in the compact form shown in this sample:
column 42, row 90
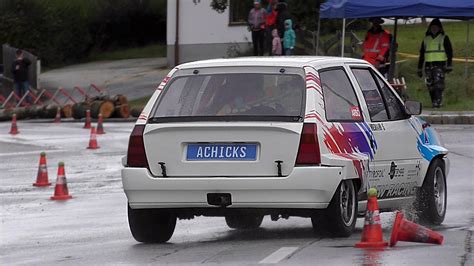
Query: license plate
column 221, row 152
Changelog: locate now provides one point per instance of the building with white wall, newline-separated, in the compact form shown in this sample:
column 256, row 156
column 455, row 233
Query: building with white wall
column 204, row 33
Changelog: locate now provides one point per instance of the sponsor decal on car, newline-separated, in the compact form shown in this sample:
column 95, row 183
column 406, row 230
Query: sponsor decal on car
column 396, row 190
column 377, row 126
column 428, row 142
column 376, row 174
column 143, row 116
column 348, row 140
column 355, row 113
column 165, row 80
column 414, row 173
column 396, row 171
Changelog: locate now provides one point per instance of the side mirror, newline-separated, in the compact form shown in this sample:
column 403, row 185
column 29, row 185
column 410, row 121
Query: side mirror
column 413, row 107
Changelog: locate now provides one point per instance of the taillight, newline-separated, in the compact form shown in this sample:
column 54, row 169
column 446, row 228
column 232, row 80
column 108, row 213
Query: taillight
column 308, row 152
column 136, row 156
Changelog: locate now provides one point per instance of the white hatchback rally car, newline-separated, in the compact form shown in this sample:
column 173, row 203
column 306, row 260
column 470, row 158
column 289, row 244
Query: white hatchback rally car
column 296, row 136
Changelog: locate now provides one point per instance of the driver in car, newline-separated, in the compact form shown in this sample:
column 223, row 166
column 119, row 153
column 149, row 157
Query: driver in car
column 241, row 90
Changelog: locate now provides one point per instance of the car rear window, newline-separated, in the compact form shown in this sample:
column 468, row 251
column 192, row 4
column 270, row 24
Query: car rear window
column 233, row 96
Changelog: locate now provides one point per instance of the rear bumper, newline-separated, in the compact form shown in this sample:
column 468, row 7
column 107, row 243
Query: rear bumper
column 305, row 187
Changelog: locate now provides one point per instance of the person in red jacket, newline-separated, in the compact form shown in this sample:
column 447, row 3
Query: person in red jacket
column 270, row 24
column 377, row 45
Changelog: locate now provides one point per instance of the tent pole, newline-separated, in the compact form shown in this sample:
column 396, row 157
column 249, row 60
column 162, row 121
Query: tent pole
column 317, row 36
column 393, row 50
column 343, row 36
column 468, row 51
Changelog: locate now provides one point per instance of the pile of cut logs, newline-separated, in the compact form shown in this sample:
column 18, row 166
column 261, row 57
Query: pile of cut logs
column 116, row 106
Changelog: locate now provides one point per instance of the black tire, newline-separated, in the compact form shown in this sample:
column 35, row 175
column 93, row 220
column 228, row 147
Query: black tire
column 337, row 220
column 431, row 200
column 244, row 221
column 151, row 225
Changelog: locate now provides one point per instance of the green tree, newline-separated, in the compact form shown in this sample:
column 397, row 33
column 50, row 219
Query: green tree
column 57, row 36
column 61, row 31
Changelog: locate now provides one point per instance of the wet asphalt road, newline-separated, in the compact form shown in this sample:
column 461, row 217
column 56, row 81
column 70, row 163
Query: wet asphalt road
column 135, row 78
column 92, row 227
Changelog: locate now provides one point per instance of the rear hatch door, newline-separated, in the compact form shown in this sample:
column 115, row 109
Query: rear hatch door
column 229, row 121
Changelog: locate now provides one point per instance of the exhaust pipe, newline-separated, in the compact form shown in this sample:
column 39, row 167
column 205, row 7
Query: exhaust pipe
column 219, row 199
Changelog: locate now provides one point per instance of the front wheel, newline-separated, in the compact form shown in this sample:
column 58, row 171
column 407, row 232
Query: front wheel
column 151, row 225
column 340, row 217
column 244, row 221
column 431, row 198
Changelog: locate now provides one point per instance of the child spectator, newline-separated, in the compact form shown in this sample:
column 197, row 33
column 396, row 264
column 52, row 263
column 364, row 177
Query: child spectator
column 289, row 37
column 270, row 24
column 276, row 43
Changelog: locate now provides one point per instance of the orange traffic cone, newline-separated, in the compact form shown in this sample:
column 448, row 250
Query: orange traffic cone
column 42, row 176
column 14, row 128
column 60, row 191
column 87, row 124
column 57, row 119
column 372, row 234
column 404, row 230
column 100, row 126
column 93, row 140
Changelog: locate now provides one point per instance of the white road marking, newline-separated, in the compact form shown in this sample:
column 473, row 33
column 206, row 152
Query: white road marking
column 29, row 152
column 279, row 255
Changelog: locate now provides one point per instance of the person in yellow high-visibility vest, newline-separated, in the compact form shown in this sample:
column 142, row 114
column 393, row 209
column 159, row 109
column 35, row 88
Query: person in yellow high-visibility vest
column 436, row 53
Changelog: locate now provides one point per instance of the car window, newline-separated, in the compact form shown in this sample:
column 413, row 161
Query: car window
column 396, row 109
column 340, row 100
column 231, row 95
column 373, row 99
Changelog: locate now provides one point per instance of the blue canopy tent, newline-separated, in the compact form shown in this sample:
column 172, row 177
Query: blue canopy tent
column 454, row 9
column 399, row 8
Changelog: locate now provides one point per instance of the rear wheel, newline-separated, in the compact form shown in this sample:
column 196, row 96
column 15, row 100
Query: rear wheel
column 340, row 217
column 432, row 197
column 151, row 225
column 244, row 221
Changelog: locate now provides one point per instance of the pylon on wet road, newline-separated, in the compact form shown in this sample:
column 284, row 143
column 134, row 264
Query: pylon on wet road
column 100, row 125
column 42, row 176
column 372, row 233
column 57, row 119
column 93, row 140
column 61, row 191
column 87, row 124
column 404, row 230
column 14, row 128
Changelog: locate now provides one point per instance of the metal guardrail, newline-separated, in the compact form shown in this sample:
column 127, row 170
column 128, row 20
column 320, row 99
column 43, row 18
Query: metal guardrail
column 61, row 97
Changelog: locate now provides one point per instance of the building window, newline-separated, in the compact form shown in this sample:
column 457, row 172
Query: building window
column 239, row 11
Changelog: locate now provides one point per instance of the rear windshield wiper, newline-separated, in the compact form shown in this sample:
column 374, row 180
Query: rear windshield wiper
column 171, row 119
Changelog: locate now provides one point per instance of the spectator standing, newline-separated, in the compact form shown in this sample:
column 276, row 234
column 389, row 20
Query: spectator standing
column 256, row 22
column 20, row 74
column 376, row 45
column 270, row 25
column 282, row 15
column 276, row 43
column 436, row 53
column 289, row 38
